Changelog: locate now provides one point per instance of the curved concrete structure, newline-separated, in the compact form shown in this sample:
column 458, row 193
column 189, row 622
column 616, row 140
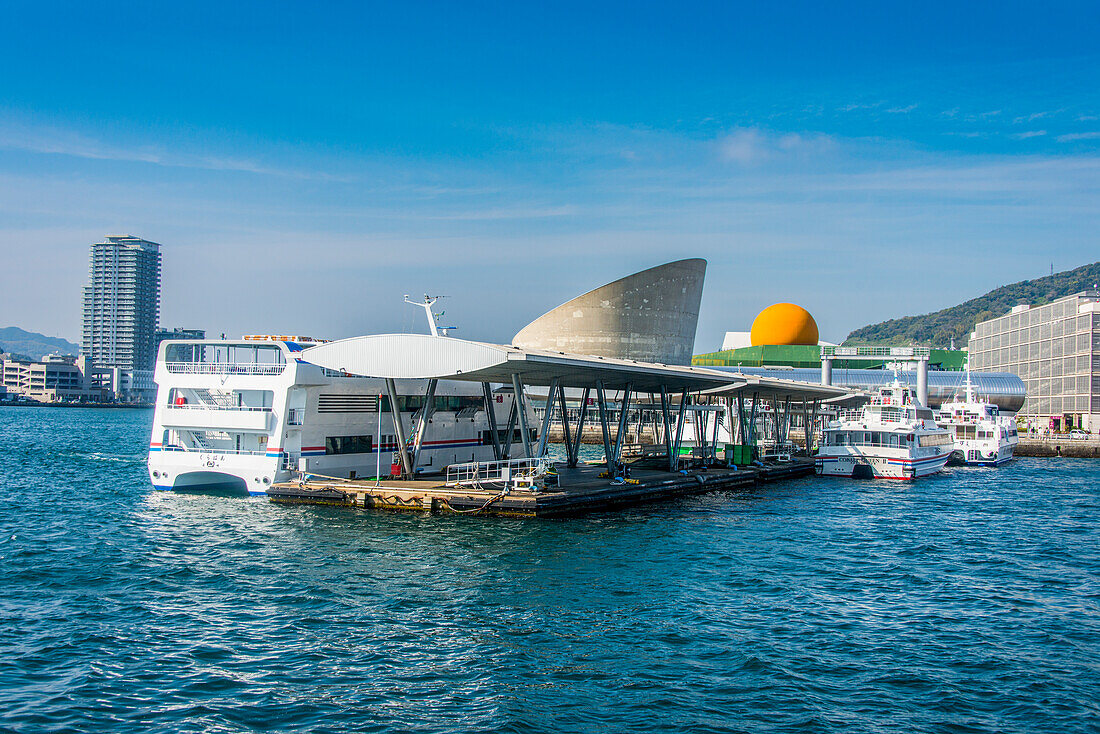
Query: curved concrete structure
column 650, row 316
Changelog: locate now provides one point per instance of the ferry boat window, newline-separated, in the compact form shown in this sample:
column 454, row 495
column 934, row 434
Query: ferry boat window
column 895, row 440
column 517, row 436
column 934, row 439
column 349, row 444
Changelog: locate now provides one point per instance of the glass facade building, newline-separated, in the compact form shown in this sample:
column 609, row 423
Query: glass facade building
column 1055, row 350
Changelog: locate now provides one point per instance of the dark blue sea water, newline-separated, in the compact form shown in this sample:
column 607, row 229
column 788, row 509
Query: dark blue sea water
column 969, row 602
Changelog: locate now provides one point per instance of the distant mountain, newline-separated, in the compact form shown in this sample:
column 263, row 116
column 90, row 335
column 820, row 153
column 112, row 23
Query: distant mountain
column 17, row 341
column 939, row 328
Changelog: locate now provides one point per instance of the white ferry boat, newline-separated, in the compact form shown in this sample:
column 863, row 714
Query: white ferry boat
column 981, row 434
column 893, row 437
column 242, row 415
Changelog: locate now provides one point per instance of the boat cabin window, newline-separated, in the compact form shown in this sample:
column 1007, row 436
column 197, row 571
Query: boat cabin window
column 443, row 403
column 934, row 439
column 205, row 353
column 349, row 444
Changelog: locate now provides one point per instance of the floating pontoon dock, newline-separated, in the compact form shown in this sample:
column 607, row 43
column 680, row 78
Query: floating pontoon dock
column 580, row 490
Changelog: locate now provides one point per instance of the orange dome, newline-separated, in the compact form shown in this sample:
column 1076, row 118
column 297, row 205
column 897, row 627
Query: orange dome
column 784, row 323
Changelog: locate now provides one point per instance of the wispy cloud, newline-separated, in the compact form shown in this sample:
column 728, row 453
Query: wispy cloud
column 1036, row 116
column 1029, row 134
column 45, row 140
column 1069, row 137
column 902, row 110
column 860, row 106
column 751, row 146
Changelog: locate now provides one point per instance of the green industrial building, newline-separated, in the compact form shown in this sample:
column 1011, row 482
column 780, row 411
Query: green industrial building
column 808, row 356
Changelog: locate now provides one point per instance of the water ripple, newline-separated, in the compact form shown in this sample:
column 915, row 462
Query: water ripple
column 969, row 602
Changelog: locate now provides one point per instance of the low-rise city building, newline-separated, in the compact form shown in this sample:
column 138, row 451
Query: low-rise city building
column 53, row 379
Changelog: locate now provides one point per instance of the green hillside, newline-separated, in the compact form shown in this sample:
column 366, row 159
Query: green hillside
column 32, row 344
column 939, row 328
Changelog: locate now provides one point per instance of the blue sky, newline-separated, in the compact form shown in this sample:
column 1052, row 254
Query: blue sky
column 306, row 165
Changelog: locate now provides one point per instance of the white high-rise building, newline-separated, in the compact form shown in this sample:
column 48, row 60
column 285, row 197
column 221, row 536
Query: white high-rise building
column 121, row 309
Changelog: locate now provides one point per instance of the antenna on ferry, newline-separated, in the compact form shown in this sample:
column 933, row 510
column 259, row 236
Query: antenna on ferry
column 427, row 304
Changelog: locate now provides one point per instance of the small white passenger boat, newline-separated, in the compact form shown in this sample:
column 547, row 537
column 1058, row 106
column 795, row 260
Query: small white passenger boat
column 893, row 437
column 982, row 436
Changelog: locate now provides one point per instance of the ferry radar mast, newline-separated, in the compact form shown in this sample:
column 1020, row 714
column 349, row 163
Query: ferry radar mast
column 427, row 304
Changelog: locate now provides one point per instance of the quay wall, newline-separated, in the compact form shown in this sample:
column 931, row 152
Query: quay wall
column 1058, row 446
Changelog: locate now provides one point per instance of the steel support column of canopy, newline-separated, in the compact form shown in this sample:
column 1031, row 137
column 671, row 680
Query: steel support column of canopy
column 398, row 428
column 775, row 420
column 574, row 458
column 807, row 431
column 667, row 423
column 679, row 430
column 752, row 422
column 521, row 408
column 656, row 430
column 491, row 417
column 565, row 425
column 786, row 418
column 714, row 437
column 510, row 433
column 544, row 434
column 623, row 413
column 742, row 436
column 601, row 398
column 425, row 415
column 811, row 428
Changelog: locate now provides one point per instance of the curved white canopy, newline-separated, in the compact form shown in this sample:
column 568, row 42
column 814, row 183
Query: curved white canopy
column 419, row 356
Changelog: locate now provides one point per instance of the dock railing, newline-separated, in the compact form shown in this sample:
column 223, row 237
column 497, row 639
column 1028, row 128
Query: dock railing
column 510, row 471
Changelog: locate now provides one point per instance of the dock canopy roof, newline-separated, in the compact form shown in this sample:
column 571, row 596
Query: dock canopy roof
column 769, row 388
column 420, row 356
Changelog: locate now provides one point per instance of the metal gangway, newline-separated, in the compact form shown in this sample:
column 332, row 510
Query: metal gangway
column 513, row 473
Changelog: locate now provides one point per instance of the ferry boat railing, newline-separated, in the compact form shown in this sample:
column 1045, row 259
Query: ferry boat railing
column 224, row 368
column 521, row 471
column 208, row 406
column 214, row 452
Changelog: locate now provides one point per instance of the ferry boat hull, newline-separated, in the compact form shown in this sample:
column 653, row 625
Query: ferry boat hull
column 857, row 466
column 891, row 438
column 982, row 436
column 980, row 456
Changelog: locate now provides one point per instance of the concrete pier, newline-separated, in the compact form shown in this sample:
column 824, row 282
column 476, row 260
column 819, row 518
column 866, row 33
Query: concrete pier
column 580, row 490
column 1058, row 446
